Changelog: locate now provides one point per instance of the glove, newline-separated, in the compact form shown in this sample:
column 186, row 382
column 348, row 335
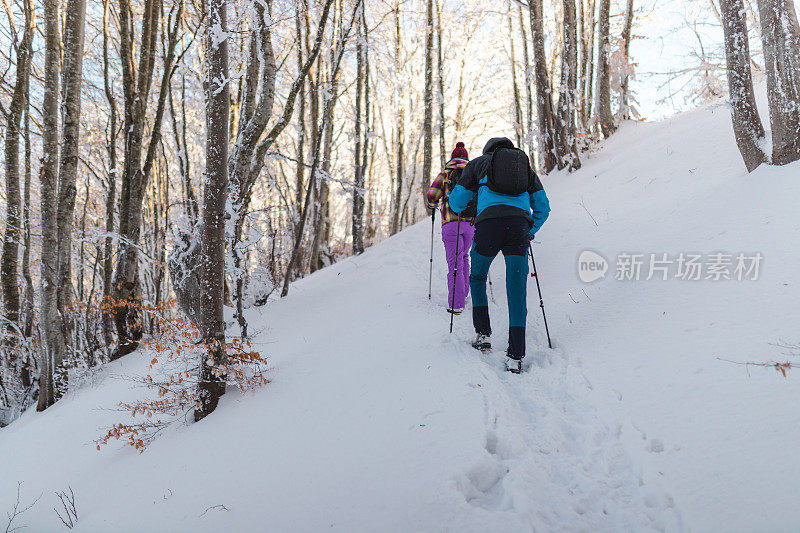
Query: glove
column 531, row 235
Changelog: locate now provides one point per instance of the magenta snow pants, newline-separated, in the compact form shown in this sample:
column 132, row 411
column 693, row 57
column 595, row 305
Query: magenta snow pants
column 458, row 286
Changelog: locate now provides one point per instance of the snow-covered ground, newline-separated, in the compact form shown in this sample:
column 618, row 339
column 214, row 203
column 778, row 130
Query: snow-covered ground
column 377, row 419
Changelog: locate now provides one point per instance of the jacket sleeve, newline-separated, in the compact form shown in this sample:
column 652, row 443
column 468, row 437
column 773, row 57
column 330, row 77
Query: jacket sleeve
column 463, row 193
column 540, row 204
column 436, row 191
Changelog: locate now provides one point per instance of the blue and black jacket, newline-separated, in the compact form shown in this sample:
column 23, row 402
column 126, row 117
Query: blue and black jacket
column 532, row 204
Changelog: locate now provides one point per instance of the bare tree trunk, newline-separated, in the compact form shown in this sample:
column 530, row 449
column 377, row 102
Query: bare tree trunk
column 81, row 290
column 401, row 119
column 427, row 125
column 517, row 99
column 544, row 93
column 605, row 119
column 587, row 93
column 136, row 87
column 113, row 170
column 625, row 110
column 365, row 161
column 161, row 201
column 358, row 185
column 566, row 134
column 211, row 385
column 440, row 91
column 529, row 135
column 746, row 123
column 369, row 163
column 9, row 262
column 52, row 349
column 28, row 298
column 179, row 135
column 321, row 234
column 320, row 239
column 310, row 99
column 74, row 32
column 780, row 35
column 582, row 61
column 301, row 118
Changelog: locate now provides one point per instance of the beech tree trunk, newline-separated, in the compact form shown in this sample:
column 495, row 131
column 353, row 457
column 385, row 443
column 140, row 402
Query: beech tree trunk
column 566, row 129
column 780, row 35
column 111, row 194
column 529, row 135
column 625, row 111
column 365, row 153
column 400, row 133
column 746, row 122
column 358, row 185
column 605, row 119
column 544, row 93
column 9, row 279
column 516, row 94
column 300, row 147
column 52, row 352
column 321, row 235
column 427, row 125
column 587, row 63
column 74, row 32
column 440, row 79
column 211, row 385
column 28, row 298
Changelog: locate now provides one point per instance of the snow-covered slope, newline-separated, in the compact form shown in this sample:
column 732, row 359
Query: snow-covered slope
column 728, row 434
column 377, row 419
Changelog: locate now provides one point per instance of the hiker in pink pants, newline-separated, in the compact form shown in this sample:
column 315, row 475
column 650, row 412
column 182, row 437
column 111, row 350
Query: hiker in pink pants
column 458, row 284
column 452, row 231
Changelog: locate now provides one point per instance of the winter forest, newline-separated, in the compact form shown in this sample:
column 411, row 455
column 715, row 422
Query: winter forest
column 219, row 206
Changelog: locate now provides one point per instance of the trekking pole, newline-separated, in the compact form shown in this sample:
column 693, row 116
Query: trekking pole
column 491, row 289
column 430, row 276
column 535, row 274
column 455, row 275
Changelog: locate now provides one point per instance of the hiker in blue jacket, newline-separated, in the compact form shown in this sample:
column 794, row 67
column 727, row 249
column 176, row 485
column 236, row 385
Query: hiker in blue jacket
column 512, row 207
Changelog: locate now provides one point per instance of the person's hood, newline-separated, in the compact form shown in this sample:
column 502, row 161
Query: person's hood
column 497, row 142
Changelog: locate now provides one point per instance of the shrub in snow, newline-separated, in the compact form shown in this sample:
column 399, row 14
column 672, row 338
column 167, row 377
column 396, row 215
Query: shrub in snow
column 175, row 352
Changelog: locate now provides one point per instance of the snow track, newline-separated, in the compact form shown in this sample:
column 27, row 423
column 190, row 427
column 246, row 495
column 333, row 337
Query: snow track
column 550, row 464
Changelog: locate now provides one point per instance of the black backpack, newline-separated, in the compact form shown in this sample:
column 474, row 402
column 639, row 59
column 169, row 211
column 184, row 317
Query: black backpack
column 509, row 171
column 453, row 177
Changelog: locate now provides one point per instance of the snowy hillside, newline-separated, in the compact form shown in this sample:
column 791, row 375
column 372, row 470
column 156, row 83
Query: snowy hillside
column 377, row 419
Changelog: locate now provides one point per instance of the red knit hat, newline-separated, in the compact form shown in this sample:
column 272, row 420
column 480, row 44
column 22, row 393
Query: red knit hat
column 460, row 152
